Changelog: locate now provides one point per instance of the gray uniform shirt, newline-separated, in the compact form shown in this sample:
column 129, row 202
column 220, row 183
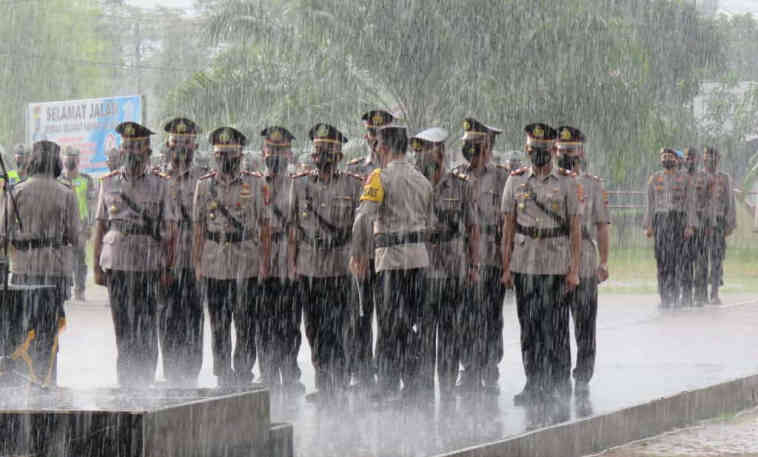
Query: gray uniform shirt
column 595, row 212
column 560, row 194
column 276, row 196
column 455, row 209
column 322, row 215
column 668, row 191
column 133, row 252
column 363, row 167
column 181, row 187
column 242, row 197
column 698, row 185
column 398, row 199
column 721, row 202
column 48, row 210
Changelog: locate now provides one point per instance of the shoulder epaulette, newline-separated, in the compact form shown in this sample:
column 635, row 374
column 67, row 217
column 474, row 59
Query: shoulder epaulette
column 354, row 161
column 108, row 175
column 63, row 182
column 499, row 165
column 209, row 175
column 565, row 172
column 301, row 174
column 257, row 174
column 353, row 175
column 460, row 176
column 519, row 172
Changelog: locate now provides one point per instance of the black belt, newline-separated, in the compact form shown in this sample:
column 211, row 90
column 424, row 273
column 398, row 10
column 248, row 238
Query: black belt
column 130, row 228
column 37, row 243
column 229, row 237
column 538, row 233
column 493, row 229
column 385, row 240
column 319, row 242
column 442, row 237
column 277, row 236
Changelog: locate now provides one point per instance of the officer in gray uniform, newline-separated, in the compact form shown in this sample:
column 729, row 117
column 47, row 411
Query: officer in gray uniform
column 595, row 240
column 541, row 254
column 279, row 324
column 695, row 265
column 514, row 161
column 670, row 216
column 182, row 316
column 231, row 252
column 722, row 219
column 453, row 247
column 20, row 154
column 42, row 245
column 397, row 211
column 362, row 364
column 135, row 234
column 483, row 320
column 322, row 209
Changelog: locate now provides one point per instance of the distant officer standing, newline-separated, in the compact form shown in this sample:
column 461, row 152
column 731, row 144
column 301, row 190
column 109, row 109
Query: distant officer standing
column 86, row 197
column 483, row 320
column 231, row 252
column 453, row 247
column 695, row 265
column 595, row 240
column 135, row 234
column 514, row 161
column 396, row 210
column 20, row 155
column 182, row 316
column 281, row 313
column 322, row 209
column 41, row 255
column 541, row 255
column 670, row 217
column 722, row 219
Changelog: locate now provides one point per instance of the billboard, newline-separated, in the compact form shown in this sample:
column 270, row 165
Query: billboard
column 87, row 125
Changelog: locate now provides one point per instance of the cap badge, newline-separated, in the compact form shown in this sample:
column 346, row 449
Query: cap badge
column 565, row 134
column 322, row 131
column 226, row 136
column 416, row 144
column 181, row 127
column 377, row 119
column 466, row 125
column 276, row 135
column 538, row 132
column 129, row 130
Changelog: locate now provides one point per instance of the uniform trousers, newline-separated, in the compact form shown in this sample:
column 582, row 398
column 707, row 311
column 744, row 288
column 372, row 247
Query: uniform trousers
column 325, row 304
column 694, row 275
column 134, row 298
column 181, row 330
column 399, row 320
column 442, row 332
column 278, row 333
column 543, row 314
column 669, row 246
column 42, row 311
column 716, row 252
column 233, row 300
column 583, row 302
column 483, row 327
column 80, row 266
column 361, row 348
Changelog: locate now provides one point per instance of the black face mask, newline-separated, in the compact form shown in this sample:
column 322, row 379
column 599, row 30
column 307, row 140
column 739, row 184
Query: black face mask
column 229, row 165
column 568, row 162
column 134, row 161
column 324, row 161
column 57, row 168
column 276, row 163
column 691, row 167
column 540, row 157
column 180, row 155
column 668, row 164
column 470, row 150
column 70, row 164
column 428, row 168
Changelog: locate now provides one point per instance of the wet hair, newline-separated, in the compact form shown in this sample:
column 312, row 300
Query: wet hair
column 395, row 138
column 45, row 161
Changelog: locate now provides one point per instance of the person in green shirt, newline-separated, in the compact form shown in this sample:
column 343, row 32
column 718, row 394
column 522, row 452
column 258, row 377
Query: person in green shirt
column 86, row 193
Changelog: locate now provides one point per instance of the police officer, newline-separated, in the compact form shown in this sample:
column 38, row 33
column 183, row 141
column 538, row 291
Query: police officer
column 595, row 240
column 322, row 209
column 397, row 198
column 279, row 324
column 135, row 232
column 670, row 217
column 86, row 196
column 453, row 247
column 20, row 156
column 113, row 159
column 362, row 364
column 514, row 161
column 181, row 316
column 231, row 251
column 49, row 228
column 722, row 219
column 483, row 320
column 695, row 265
column 541, row 252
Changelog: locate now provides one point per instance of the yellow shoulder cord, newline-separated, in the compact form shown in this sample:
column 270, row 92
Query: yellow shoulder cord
column 22, row 351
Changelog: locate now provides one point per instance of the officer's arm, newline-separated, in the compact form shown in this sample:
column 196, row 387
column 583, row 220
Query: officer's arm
column 575, row 236
column 198, row 228
column 72, row 224
column 293, row 221
column 648, row 221
column 731, row 215
column 509, row 230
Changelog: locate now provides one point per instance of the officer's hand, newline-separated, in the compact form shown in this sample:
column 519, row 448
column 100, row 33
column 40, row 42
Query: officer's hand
column 198, row 276
column 472, row 274
column 263, row 270
column 291, row 271
column 601, row 273
column 167, row 277
column 572, row 280
column 688, row 232
column 358, row 267
column 99, row 276
column 649, row 233
column 507, row 278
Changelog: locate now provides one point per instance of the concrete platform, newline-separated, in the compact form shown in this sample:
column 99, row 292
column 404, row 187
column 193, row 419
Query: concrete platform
column 643, row 354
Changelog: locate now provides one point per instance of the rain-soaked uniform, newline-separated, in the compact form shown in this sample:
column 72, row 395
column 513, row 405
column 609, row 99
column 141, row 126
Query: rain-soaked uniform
column 362, row 350
column 722, row 219
column 231, row 213
column 279, row 335
column 41, row 254
column 398, row 199
column 483, row 317
column 584, row 298
column 136, row 211
column 540, row 260
column 86, row 196
column 182, row 316
column 670, row 210
column 455, row 212
column 322, row 214
column 695, row 265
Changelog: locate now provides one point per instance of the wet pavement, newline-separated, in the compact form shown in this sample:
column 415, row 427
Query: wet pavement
column 643, row 353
